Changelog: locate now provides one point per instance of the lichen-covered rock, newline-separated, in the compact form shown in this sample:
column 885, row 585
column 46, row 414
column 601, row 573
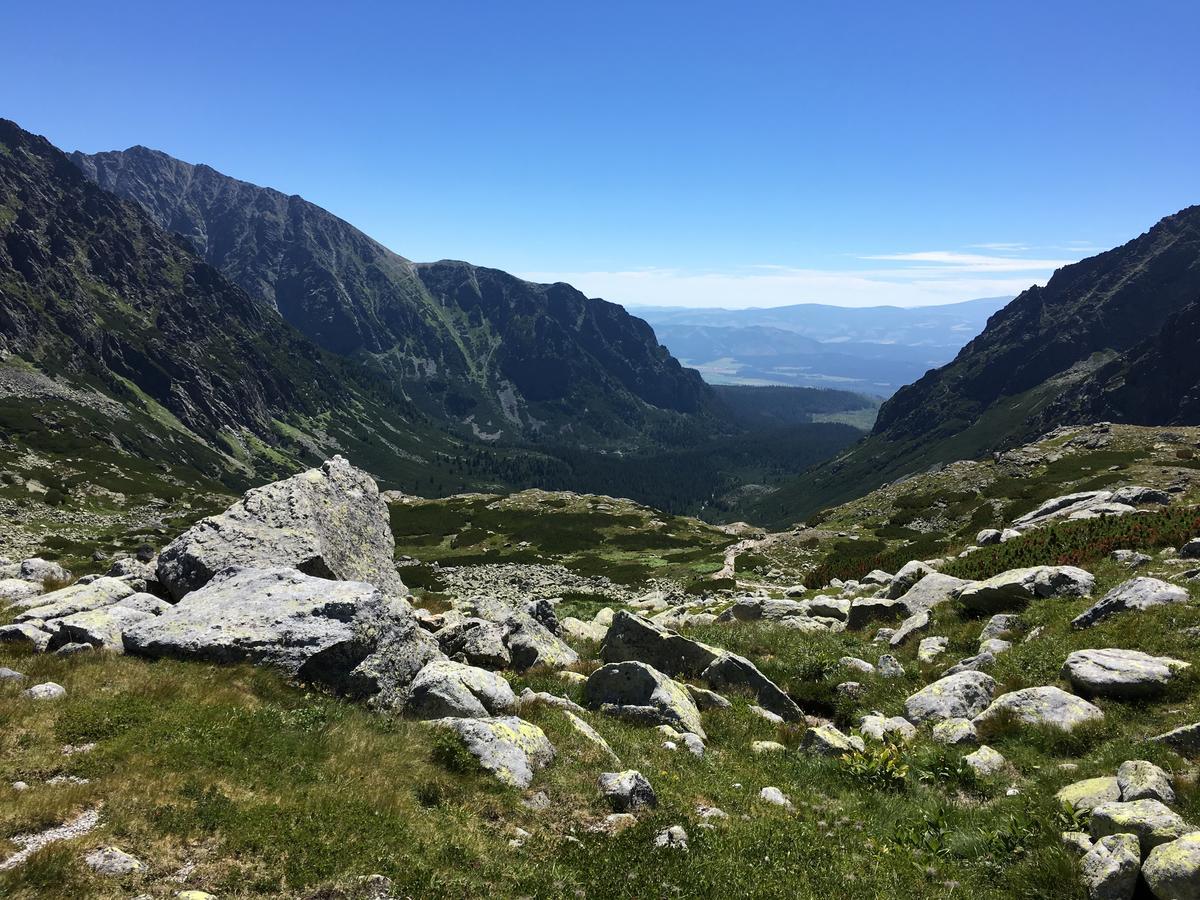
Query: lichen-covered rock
column 530, row 643
column 825, row 740
column 1042, row 706
column 1086, row 795
column 932, row 590
column 590, row 733
column 35, row 638
column 1172, row 870
column 638, row 691
column 631, row 637
column 1124, row 674
column 40, row 570
column 510, row 748
column 910, row 573
column 955, row 733
column 1135, row 594
column 476, row 642
column 1017, row 587
column 76, row 598
column 915, row 624
column 1110, row 868
column 328, row 522
column 16, row 590
column 879, row 728
column 1140, row 779
column 931, row 648
column 998, row 626
column 47, row 690
column 960, row 696
column 102, row 628
column 854, row 664
column 1150, row 820
column 627, row 791
column 343, row 634
column 986, row 762
column 583, row 631
column 450, row 689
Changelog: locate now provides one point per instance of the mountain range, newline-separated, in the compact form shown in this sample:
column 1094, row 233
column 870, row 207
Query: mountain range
column 874, row 350
column 1112, row 337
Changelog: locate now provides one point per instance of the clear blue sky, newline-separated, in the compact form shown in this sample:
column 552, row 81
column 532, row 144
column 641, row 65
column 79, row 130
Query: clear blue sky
column 703, row 153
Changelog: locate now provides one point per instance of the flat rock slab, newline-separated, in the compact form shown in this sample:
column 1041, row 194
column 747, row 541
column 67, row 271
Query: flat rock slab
column 76, row 598
column 933, row 590
column 329, row 522
column 344, row 634
column 1086, row 795
column 1041, row 706
column 1123, row 674
column 1015, row 588
column 510, row 748
column 1135, row 594
column 102, row 628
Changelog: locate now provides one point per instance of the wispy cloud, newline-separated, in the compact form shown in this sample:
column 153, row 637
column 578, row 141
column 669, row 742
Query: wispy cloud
column 925, row 278
column 1002, row 247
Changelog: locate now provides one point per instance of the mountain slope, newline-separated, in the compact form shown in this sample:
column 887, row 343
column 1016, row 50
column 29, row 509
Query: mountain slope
column 489, row 353
column 1106, row 338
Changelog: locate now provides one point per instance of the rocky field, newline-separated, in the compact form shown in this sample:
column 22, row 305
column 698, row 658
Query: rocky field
column 977, row 682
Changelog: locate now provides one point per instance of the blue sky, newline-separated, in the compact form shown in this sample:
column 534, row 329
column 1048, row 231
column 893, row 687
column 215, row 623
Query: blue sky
column 677, row 153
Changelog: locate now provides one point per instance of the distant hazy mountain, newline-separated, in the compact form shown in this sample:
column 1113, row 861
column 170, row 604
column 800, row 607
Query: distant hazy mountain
column 1112, row 337
column 876, row 350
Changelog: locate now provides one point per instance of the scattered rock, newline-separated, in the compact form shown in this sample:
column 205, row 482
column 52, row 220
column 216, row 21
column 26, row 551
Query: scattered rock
column 26, row 633
column 913, row 625
column 825, row 740
column 590, row 733
column 960, row 696
column 975, row 663
column 46, row 691
column 1042, row 706
column 1184, row 740
column 1124, row 674
column 854, row 664
column 1140, row 779
column 77, row 598
column 775, row 797
column 767, row 747
column 510, row 748
column 1150, row 820
column 1110, row 868
column 1130, row 559
column 1172, row 870
column 1017, row 587
column 638, row 691
column 879, row 728
column 112, row 861
column 999, row 626
column 1086, row 795
column 705, row 699
column 1136, row 594
column 7, row 674
column 627, row 791
column 673, row 838
column 986, row 762
column 445, row 689
column 955, row 732
column 931, row 648
column 932, row 590
column 874, row 609
column 910, row 573
column 890, row 667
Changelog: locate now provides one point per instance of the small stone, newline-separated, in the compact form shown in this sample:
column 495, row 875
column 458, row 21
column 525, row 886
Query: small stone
column 856, row 665
column 627, row 791
column 775, row 797
column 955, row 732
column 931, row 648
column 767, row 747
column 879, row 728
column 826, row 740
column 986, row 761
column 7, row 674
column 890, row 667
column 46, row 691
column 673, row 838
column 112, row 861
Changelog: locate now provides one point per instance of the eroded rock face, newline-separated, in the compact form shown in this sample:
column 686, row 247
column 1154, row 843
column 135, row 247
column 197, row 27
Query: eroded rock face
column 639, row 692
column 1134, row 594
column 328, row 522
column 508, row 747
column 1123, row 674
column 344, row 634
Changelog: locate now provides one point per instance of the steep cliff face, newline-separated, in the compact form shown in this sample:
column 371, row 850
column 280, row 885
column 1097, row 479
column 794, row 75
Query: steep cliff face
column 1108, row 303
column 93, row 289
column 474, row 347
